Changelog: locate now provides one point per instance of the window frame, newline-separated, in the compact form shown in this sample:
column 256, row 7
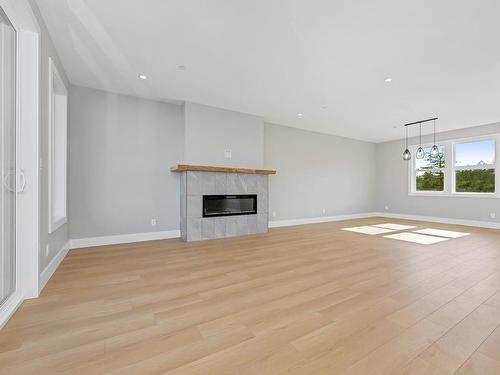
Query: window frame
column 59, row 218
column 450, row 169
column 413, row 171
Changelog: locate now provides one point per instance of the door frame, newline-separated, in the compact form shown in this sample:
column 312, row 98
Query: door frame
column 27, row 29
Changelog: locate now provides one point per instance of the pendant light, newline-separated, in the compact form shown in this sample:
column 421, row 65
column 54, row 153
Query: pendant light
column 434, row 149
column 420, row 152
column 407, row 153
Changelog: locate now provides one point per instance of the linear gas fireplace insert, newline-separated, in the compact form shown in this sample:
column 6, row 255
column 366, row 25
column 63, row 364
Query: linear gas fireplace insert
column 227, row 205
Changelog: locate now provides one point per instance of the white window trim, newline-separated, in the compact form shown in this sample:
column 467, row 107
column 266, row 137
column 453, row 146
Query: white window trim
column 412, row 172
column 55, row 222
column 494, row 137
column 449, row 170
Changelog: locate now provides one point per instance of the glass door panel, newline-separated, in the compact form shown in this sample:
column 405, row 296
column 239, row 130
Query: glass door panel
column 7, row 158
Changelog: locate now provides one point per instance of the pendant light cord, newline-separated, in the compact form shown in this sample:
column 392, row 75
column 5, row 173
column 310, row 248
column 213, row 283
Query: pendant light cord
column 434, row 132
column 420, row 135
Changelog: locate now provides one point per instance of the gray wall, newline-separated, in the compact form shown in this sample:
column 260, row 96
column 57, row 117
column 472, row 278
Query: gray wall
column 58, row 239
column 209, row 131
column 121, row 151
column 317, row 171
column 392, row 184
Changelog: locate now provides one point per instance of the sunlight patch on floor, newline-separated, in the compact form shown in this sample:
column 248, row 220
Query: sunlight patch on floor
column 371, row 230
column 442, row 233
column 426, row 236
column 416, row 238
column 394, row 226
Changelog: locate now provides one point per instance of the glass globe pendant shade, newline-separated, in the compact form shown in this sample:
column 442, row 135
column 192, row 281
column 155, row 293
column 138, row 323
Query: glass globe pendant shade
column 420, row 153
column 434, row 150
column 407, row 155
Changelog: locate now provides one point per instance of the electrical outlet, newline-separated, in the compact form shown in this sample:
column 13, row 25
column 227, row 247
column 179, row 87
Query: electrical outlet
column 274, row 213
column 387, row 208
column 47, row 250
column 228, row 153
column 153, row 222
column 493, row 215
column 324, row 211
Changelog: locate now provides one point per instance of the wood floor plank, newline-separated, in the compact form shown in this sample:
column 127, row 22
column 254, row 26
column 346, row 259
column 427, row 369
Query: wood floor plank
column 454, row 348
column 420, row 367
column 491, row 346
column 479, row 364
column 395, row 355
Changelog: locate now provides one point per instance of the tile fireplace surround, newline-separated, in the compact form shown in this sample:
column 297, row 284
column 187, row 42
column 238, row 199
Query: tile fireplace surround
column 197, row 181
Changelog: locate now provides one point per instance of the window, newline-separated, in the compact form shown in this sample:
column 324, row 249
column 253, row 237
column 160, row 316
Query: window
column 474, row 169
column 464, row 167
column 430, row 171
column 58, row 123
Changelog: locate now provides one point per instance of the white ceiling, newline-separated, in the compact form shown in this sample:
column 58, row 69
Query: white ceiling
column 276, row 58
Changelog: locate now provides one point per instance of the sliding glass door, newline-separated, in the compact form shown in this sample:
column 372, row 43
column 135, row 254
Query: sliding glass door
column 7, row 158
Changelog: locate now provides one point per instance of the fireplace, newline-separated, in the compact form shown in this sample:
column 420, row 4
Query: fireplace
column 229, row 205
column 220, row 202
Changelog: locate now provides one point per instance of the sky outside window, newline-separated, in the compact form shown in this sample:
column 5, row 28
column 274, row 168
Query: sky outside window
column 475, row 153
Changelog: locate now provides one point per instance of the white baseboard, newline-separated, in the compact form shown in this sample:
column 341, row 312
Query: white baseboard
column 123, row 238
column 321, row 219
column 52, row 266
column 434, row 219
column 9, row 307
column 443, row 220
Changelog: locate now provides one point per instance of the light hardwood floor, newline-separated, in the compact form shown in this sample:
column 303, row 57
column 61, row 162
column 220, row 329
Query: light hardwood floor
column 308, row 299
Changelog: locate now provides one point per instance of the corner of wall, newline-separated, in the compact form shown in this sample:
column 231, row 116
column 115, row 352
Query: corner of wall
column 57, row 240
column 51, row 268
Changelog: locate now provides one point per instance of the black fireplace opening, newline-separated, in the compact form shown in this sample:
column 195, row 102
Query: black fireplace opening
column 228, row 205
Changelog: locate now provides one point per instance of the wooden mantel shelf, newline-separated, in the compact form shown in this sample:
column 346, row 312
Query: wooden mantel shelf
column 206, row 168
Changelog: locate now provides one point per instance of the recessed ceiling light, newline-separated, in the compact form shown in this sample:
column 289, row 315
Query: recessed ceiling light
column 324, row 106
column 300, row 114
column 142, row 76
column 181, row 67
column 388, row 79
